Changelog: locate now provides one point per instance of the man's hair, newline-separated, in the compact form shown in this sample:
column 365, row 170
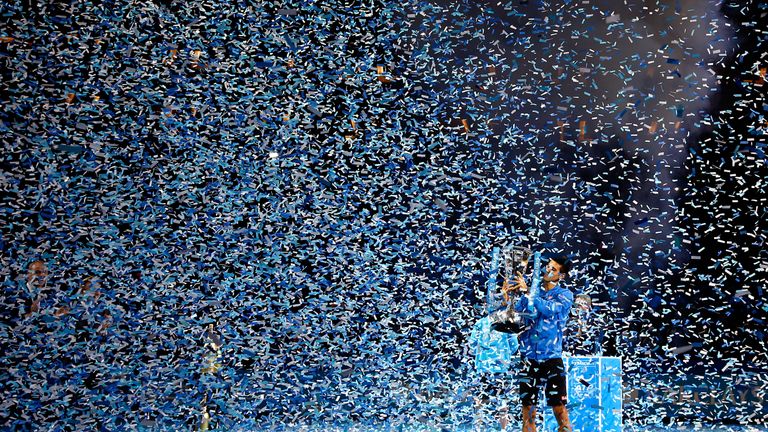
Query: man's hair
column 565, row 263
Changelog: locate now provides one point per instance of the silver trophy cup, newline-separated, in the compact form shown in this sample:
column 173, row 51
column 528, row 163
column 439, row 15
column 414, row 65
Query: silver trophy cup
column 516, row 260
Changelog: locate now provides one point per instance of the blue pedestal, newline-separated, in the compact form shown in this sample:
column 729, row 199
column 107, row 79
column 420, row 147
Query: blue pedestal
column 594, row 395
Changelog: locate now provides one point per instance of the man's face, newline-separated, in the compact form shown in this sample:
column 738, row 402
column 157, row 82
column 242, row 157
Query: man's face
column 37, row 274
column 583, row 303
column 552, row 272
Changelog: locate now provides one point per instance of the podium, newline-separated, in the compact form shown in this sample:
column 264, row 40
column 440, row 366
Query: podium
column 594, row 395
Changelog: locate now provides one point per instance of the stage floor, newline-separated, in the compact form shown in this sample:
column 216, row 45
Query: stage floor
column 695, row 428
column 514, row 428
column 691, row 428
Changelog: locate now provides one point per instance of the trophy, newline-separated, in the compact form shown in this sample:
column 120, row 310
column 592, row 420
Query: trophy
column 516, row 260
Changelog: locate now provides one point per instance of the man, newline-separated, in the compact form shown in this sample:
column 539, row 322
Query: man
column 20, row 300
column 586, row 329
column 36, row 288
column 541, row 345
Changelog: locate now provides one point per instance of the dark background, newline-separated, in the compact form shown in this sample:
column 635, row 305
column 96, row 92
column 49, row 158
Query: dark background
column 324, row 184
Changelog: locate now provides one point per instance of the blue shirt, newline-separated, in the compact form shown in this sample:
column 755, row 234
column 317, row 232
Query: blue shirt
column 544, row 339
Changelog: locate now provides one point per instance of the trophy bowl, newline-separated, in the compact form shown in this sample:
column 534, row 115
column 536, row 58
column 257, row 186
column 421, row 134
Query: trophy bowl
column 516, row 260
column 507, row 321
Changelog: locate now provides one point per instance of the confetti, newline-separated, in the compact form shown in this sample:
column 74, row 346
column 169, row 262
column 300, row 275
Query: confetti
column 225, row 216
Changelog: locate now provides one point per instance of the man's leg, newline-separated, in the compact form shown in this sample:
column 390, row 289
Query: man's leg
column 479, row 406
column 563, row 422
column 557, row 395
column 481, row 402
column 503, row 418
column 529, row 418
column 529, row 393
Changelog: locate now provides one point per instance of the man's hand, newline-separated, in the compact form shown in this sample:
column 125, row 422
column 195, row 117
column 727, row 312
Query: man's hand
column 521, row 285
column 104, row 326
column 61, row 311
column 34, row 308
column 505, row 289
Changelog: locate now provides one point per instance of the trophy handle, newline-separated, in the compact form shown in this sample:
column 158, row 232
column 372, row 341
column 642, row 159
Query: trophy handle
column 533, row 291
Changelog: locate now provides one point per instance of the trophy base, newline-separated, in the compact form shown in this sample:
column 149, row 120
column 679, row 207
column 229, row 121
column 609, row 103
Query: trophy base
column 508, row 327
column 508, row 322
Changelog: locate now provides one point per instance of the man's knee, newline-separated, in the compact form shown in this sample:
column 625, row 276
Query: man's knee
column 560, row 411
column 529, row 418
column 529, row 412
column 561, row 415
